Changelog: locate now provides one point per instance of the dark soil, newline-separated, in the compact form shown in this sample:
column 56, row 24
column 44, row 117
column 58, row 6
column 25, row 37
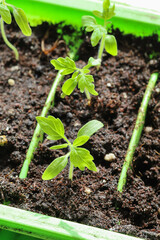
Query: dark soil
column 91, row 198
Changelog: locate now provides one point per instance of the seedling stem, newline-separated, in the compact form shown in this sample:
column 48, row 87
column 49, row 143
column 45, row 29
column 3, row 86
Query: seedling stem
column 71, row 167
column 101, row 46
column 38, row 134
column 137, row 131
column 87, row 94
column 7, row 42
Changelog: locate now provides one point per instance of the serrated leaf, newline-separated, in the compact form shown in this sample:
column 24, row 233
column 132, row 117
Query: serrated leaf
column 53, row 127
column 88, row 21
column 82, row 82
column 90, row 128
column 79, row 141
column 22, row 21
column 111, row 45
column 91, row 89
column 81, row 158
column 67, row 65
column 69, row 86
column 85, row 82
column 5, row 14
column 60, row 146
column 98, row 14
column 55, row 167
column 96, row 35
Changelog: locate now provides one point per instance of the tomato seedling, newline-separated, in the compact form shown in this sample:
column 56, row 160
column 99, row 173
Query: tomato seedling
column 100, row 33
column 79, row 76
column 79, row 157
column 20, row 18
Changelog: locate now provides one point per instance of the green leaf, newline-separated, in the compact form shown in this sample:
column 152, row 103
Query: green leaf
column 88, row 21
column 97, row 35
column 85, row 70
column 55, row 167
column 91, row 89
column 98, row 14
column 94, row 62
column 106, row 4
column 67, row 65
column 109, row 13
column 111, row 45
column 5, row 14
column 91, row 63
column 60, row 146
column 85, row 81
column 53, row 127
column 22, row 21
column 69, row 86
column 81, row 158
column 80, row 141
column 90, row 128
column 75, row 74
column 89, row 29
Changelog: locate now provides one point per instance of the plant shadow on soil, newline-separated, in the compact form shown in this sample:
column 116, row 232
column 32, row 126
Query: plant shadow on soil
column 120, row 83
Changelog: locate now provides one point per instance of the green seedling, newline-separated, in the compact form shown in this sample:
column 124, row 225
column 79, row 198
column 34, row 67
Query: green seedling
column 100, row 33
column 79, row 76
column 20, row 18
column 79, row 157
column 136, row 135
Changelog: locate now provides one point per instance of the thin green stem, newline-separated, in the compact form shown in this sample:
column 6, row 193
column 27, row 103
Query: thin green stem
column 38, row 134
column 67, row 140
column 87, row 94
column 101, row 46
column 71, row 167
column 101, row 49
column 7, row 42
column 137, row 131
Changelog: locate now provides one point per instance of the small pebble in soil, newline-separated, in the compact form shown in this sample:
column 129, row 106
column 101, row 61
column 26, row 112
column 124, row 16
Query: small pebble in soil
column 11, row 82
column 87, row 190
column 148, row 129
column 109, row 85
column 152, row 62
column 157, row 90
column 125, row 95
column 77, row 123
column 14, row 68
column 3, row 140
column 109, row 157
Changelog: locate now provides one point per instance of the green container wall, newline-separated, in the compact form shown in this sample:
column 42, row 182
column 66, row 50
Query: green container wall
column 129, row 19
column 18, row 224
column 45, row 227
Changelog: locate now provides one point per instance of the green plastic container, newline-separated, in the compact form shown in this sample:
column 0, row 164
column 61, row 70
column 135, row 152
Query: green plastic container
column 16, row 224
